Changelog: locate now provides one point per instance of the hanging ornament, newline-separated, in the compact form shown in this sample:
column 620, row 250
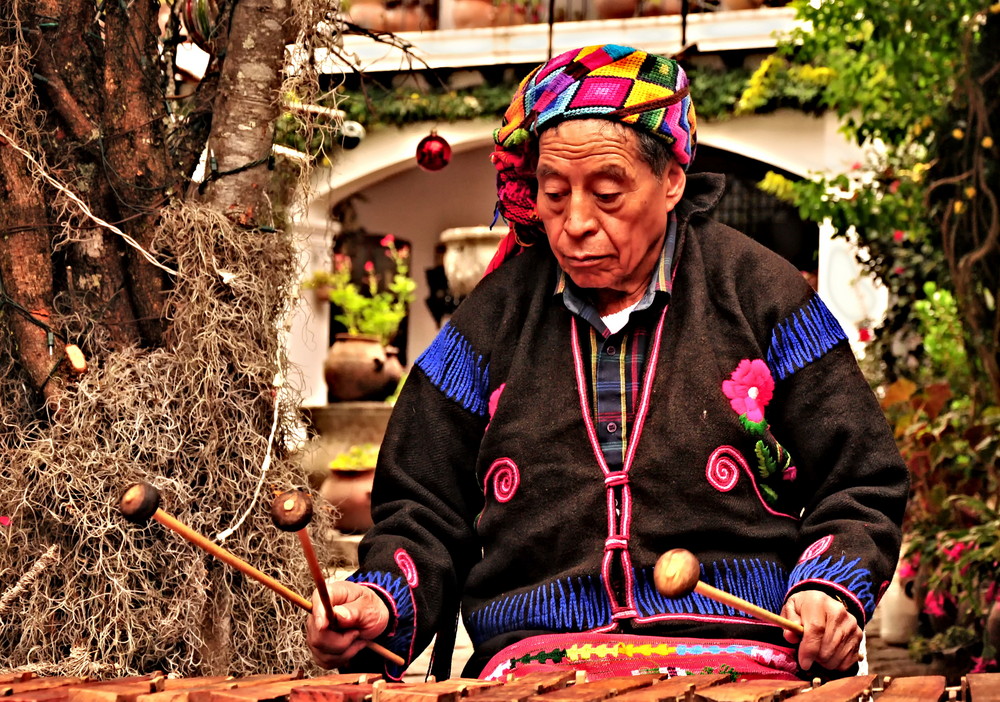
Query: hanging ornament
column 433, row 152
column 351, row 134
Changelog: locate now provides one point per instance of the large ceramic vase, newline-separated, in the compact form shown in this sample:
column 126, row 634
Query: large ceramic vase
column 467, row 253
column 359, row 367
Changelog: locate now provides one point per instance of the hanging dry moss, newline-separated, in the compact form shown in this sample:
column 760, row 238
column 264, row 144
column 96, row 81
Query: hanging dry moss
column 207, row 418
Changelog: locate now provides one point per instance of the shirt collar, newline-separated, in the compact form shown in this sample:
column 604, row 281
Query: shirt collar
column 662, row 282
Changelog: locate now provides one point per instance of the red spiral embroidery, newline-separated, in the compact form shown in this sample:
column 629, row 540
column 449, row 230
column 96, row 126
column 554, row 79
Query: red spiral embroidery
column 723, row 469
column 409, row 568
column 817, row 549
column 505, row 476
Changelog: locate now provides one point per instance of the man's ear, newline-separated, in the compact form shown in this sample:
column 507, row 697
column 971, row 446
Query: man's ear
column 675, row 179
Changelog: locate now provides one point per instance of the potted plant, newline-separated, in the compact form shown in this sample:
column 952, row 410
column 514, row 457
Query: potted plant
column 361, row 364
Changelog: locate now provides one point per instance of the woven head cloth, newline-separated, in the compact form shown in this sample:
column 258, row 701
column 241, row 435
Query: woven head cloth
column 616, row 83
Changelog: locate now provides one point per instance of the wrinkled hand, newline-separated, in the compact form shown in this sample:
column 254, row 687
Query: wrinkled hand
column 360, row 615
column 832, row 635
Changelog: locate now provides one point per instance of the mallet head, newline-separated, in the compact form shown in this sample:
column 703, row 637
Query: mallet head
column 292, row 510
column 139, row 503
column 676, row 573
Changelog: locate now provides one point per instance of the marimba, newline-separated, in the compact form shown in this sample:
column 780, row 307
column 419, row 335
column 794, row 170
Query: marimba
column 556, row 686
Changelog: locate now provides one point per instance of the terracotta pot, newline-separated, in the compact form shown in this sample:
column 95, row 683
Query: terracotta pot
column 350, row 491
column 508, row 15
column 370, row 14
column 658, row 8
column 615, row 9
column 407, row 18
column 468, row 14
column 358, row 368
column 740, row 4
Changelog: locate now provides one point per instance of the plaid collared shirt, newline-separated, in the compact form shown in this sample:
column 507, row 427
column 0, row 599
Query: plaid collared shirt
column 616, row 362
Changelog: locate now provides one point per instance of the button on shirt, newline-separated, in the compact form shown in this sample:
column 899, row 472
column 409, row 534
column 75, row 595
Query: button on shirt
column 616, row 361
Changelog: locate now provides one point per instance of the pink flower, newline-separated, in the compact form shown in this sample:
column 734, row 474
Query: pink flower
column 4, row 521
column 899, row 270
column 864, row 334
column 982, row 666
column 749, row 388
column 894, row 186
column 369, row 266
column 898, row 235
column 856, row 166
column 387, row 241
column 934, row 604
column 908, row 569
column 404, row 251
column 956, row 551
column 790, row 473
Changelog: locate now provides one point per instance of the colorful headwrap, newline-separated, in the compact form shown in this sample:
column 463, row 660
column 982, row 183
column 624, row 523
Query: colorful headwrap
column 616, row 83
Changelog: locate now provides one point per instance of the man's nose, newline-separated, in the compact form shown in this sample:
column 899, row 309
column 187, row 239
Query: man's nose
column 580, row 216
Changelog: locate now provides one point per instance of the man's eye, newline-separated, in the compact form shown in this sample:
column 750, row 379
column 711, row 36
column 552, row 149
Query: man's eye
column 607, row 197
column 554, row 196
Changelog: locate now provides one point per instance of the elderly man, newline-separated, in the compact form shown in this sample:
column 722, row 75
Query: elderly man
column 631, row 377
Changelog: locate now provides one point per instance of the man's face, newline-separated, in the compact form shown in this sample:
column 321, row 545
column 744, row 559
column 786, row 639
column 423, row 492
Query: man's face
column 604, row 210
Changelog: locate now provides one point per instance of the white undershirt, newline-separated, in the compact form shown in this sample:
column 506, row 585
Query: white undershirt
column 616, row 321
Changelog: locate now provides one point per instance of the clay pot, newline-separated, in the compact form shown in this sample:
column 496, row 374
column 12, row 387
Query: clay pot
column 350, row 491
column 370, row 14
column 468, row 14
column 358, row 368
column 740, row 4
column 658, row 8
column 407, row 18
column 615, row 9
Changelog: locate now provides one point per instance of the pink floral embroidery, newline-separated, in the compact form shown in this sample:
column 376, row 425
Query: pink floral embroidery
column 817, row 549
column 495, row 400
column 749, row 388
column 409, row 568
column 506, row 478
column 790, row 473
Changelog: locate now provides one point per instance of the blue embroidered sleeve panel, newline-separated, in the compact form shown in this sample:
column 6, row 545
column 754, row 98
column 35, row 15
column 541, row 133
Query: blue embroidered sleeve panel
column 852, row 478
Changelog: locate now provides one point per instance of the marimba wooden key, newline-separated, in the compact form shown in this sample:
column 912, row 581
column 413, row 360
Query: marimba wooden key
column 751, row 691
column 981, row 687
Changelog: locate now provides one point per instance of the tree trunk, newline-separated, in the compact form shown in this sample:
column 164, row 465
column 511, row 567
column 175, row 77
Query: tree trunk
column 245, row 110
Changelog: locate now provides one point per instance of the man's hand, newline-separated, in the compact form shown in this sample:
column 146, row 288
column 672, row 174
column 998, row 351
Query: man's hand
column 360, row 615
column 832, row 635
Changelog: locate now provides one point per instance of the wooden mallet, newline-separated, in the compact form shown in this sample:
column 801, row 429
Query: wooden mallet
column 677, row 573
column 292, row 511
column 141, row 502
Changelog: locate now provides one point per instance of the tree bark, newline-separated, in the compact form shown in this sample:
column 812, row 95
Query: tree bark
column 133, row 145
column 245, row 111
column 26, row 267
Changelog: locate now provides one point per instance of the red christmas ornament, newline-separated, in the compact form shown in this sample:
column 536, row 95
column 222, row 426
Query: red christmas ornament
column 433, row 152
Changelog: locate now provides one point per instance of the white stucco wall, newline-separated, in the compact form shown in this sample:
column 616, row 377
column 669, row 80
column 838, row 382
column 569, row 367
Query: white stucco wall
column 400, row 198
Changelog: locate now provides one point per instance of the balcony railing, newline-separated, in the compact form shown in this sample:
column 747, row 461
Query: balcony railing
column 713, row 31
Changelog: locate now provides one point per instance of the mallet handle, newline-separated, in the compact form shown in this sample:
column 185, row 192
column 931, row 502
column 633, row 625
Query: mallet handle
column 748, row 607
column 317, row 574
column 230, row 558
column 266, row 580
